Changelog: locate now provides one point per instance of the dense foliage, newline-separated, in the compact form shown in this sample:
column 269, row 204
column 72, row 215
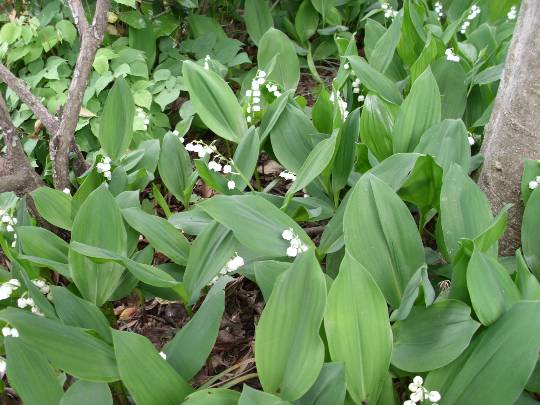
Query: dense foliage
column 322, row 150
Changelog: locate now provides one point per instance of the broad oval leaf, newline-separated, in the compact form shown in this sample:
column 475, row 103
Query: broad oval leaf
column 496, row 366
column 432, row 337
column 375, row 81
column 275, row 43
column 116, row 125
column 163, row 236
column 464, row 210
column 175, row 167
column 255, row 222
column 251, row 396
column 54, row 206
column 258, row 18
column 214, row 102
column 329, row 388
column 213, row 396
column 448, row 143
column 376, row 124
column 420, row 111
column 87, row 393
column 98, row 223
column 147, row 376
column 530, row 236
column 30, row 373
column 491, row 289
column 288, row 348
column 358, row 330
column 68, row 348
column 380, row 233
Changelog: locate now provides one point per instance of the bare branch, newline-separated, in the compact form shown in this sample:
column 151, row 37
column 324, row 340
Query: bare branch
column 20, row 88
column 77, row 10
column 60, row 144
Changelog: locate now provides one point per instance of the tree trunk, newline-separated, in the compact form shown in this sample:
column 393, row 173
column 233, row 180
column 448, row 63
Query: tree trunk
column 512, row 133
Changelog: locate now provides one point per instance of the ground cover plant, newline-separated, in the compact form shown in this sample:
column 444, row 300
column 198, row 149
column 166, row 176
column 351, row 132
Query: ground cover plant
column 245, row 202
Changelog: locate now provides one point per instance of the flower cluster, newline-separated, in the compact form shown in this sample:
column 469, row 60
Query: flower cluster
column 534, row 183
column 420, row 393
column 105, row 167
column 206, row 60
column 217, row 163
column 288, row 175
column 163, row 355
column 24, row 302
column 10, row 222
column 176, row 133
column 342, row 104
column 439, row 9
column 3, row 366
column 7, row 288
column 44, row 288
column 200, row 148
column 512, row 14
column 471, row 139
column 273, row 89
column 295, row 244
column 7, row 331
column 142, row 115
column 389, row 12
column 451, row 56
column 475, row 10
column 254, row 94
column 231, row 266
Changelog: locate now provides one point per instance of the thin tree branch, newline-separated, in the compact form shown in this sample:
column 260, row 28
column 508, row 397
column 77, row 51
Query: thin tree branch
column 20, row 88
column 77, row 10
column 60, row 143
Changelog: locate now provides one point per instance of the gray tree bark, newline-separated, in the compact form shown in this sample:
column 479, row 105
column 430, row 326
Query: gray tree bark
column 513, row 132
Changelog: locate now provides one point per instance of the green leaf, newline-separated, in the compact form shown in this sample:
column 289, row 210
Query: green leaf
column 306, row 21
column 329, row 388
column 43, row 248
column 175, row 167
column 410, row 44
column 148, row 377
column 145, row 273
column 163, row 236
column 87, row 393
column 432, row 337
column 380, row 233
column 322, row 112
column 210, row 251
column 267, row 273
column 419, row 280
column 97, row 223
column 67, row 31
column 448, row 143
column 451, row 81
column 288, row 349
column 214, row 102
column 54, row 206
column 30, row 374
column 68, row 348
column 345, row 152
column 291, row 137
column 251, row 396
column 496, row 366
column 490, row 287
column 358, row 330
column 74, row 311
column 375, row 81
column 464, row 210
column 528, row 284
column 385, row 47
column 258, row 18
column 420, row 111
column 275, row 43
column 10, row 32
column 116, row 125
column 188, row 350
column 318, row 159
column 144, row 40
column 376, row 125
column 255, row 222
column 245, row 158
column 530, row 237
